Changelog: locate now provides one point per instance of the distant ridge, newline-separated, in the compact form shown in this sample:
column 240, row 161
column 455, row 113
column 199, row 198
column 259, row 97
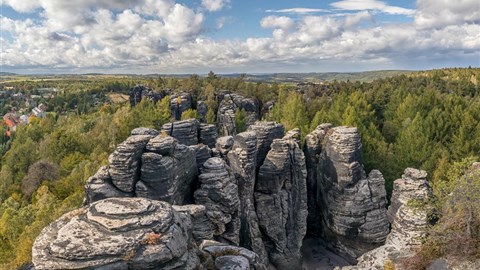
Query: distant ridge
column 7, row 74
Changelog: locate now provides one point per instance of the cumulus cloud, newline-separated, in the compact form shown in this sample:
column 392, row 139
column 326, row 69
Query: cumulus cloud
column 439, row 13
column 215, row 5
column 372, row 5
column 277, row 22
column 165, row 36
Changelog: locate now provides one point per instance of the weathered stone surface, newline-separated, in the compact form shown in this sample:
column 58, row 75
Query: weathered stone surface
column 295, row 135
column 312, row 149
column 281, row 203
column 144, row 131
column 163, row 145
column 124, row 162
column 353, row 206
column 202, row 227
column 139, row 92
column 185, row 131
column 208, row 135
column 202, row 154
column 117, row 233
column 216, row 249
column 218, row 192
column 223, row 145
column 226, row 112
column 266, row 133
column 100, row 187
column 202, row 109
column 180, row 103
column 230, row 262
column 242, row 159
column 410, row 223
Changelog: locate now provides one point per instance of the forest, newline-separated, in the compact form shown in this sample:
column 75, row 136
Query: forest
column 428, row 120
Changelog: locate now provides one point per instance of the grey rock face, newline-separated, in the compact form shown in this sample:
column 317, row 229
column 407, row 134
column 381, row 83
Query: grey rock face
column 218, row 192
column 226, row 112
column 409, row 225
column 266, row 133
column 281, row 203
column 124, row 162
column 202, row 154
column 208, row 135
column 230, row 262
column 139, row 92
column 202, row 109
column 353, row 206
column 145, row 166
column 100, row 187
column 313, row 149
column 117, row 233
column 217, row 250
column 144, row 131
column 242, row 159
column 202, row 227
column 180, row 103
column 223, row 145
column 186, row 131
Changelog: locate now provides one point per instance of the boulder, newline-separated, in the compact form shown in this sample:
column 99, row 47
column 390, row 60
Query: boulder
column 202, row 154
column 202, row 227
column 185, row 131
column 117, row 233
column 218, row 192
column 281, row 203
column 217, row 250
column 100, row 187
column 223, row 145
column 202, row 109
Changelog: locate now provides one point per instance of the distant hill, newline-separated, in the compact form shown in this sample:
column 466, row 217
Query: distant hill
column 7, row 74
column 366, row 76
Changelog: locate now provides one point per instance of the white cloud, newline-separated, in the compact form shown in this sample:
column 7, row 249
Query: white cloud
column 439, row 13
column 282, row 22
column 298, row 10
column 215, row 5
column 23, row 5
column 222, row 21
column 372, row 5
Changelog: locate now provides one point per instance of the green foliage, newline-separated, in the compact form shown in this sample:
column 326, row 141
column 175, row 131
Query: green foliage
column 240, row 120
column 190, row 114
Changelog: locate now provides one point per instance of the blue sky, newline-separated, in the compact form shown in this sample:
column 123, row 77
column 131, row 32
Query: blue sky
column 195, row 36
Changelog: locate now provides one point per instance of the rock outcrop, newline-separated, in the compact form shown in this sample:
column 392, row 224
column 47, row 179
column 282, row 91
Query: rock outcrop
column 218, row 192
column 185, row 131
column 281, row 202
column 136, row 233
column 410, row 222
column 227, row 109
column 208, row 135
column 155, row 167
column 139, row 92
column 242, row 159
column 180, row 103
column 266, row 132
column 117, row 233
column 352, row 206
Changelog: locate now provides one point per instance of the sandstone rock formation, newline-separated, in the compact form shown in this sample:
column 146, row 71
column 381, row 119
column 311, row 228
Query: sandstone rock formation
column 146, row 166
column 185, row 131
column 139, row 92
column 202, row 154
column 242, row 159
column 117, row 233
column 281, row 202
column 180, row 103
column 231, row 257
column 226, row 112
column 202, row 109
column 266, row 132
column 218, row 192
column 223, row 145
column 352, row 206
column 410, row 222
column 208, row 135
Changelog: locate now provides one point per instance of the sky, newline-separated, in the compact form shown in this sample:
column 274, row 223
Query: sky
column 237, row 36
